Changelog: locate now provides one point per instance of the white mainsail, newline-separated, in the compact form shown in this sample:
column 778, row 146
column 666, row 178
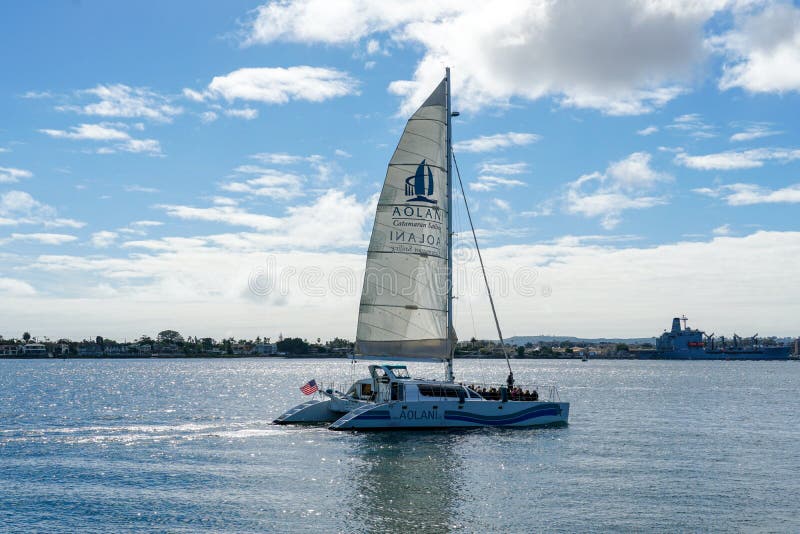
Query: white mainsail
column 405, row 300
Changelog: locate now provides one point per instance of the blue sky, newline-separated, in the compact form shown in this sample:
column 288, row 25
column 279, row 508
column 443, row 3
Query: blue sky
column 214, row 167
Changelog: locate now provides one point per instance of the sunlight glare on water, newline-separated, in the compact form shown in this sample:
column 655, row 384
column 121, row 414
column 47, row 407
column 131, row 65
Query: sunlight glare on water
column 187, row 445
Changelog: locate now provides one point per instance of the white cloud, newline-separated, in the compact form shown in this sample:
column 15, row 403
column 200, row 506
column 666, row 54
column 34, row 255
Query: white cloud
column 574, row 277
column 223, row 214
column 373, row 46
column 693, row 125
column 620, row 57
column 119, row 100
column 139, row 189
column 486, row 143
column 208, row 116
column 333, row 220
column 580, row 240
column 37, row 94
column 137, row 228
column 342, row 153
column 625, row 185
column 634, row 172
column 243, row 113
column 93, row 132
column 265, row 182
column 503, row 168
column 730, row 160
column 545, row 209
column 725, row 229
column 193, row 95
column 629, row 103
column 278, row 158
column 19, row 207
column 107, row 132
column 42, row 238
column 148, row 146
column 10, row 175
column 319, row 21
column 224, row 201
column 763, row 51
column 14, row 287
column 488, row 183
column 740, row 194
column 103, row 239
column 755, row 131
column 280, row 85
column 500, row 204
column 647, row 131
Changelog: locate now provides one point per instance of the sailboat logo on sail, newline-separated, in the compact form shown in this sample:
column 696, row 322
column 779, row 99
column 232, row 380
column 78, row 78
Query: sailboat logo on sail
column 416, row 185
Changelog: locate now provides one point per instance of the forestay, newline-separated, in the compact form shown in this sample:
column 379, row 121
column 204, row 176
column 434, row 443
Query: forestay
column 404, row 302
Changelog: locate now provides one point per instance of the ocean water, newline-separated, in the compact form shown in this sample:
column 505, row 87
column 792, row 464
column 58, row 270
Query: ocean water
column 187, row 446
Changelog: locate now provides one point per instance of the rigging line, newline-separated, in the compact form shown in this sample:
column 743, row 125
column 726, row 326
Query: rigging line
column 464, row 243
column 483, row 270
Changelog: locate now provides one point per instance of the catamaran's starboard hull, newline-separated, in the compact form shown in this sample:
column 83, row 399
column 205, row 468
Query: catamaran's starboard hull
column 452, row 414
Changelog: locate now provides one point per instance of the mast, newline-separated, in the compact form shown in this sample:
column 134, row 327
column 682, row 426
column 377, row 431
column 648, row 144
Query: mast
column 449, row 371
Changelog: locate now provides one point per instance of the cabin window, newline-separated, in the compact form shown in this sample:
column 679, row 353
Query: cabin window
column 397, row 392
column 381, row 375
column 366, row 391
column 436, row 390
column 473, row 394
column 401, row 372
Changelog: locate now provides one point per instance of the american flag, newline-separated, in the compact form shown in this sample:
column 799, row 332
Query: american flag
column 309, row 387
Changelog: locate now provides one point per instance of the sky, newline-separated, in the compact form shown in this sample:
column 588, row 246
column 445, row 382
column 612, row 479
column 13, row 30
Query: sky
column 213, row 167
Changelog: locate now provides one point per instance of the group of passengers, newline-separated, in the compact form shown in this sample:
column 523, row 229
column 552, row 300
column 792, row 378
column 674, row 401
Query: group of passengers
column 514, row 394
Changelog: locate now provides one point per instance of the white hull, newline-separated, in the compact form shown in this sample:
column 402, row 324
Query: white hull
column 453, row 414
column 430, row 414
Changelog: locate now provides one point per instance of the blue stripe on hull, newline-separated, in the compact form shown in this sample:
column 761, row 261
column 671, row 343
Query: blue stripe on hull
column 376, row 414
column 542, row 411
column 508, row 420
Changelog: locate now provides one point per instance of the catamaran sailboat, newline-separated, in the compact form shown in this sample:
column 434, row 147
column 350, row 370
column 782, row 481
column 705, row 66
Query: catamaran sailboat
column 406, row 310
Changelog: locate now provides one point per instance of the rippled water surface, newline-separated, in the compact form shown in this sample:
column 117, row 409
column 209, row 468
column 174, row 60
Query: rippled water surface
column 187, row 445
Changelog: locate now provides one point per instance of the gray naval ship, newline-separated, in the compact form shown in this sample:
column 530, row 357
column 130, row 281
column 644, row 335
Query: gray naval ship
column 684, row 343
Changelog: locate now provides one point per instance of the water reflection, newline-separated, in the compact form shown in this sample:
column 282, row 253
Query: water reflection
column 407, row 480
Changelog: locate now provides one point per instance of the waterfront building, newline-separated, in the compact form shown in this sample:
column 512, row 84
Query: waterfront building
column 90, row 350
column 8, row 350
column 35, row 350
column 265, row 349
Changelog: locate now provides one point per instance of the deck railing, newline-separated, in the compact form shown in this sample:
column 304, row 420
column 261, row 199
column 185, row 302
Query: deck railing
column 489, row 391
column 520, row 392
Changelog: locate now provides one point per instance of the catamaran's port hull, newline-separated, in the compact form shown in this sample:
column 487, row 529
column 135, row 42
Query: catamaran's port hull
column 311, row 412
column 452, row 414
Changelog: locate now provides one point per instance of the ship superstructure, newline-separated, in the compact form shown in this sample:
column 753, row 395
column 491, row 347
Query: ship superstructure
column 684, row 343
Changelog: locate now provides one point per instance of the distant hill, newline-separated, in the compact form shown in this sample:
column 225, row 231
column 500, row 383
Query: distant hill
column 522, row 340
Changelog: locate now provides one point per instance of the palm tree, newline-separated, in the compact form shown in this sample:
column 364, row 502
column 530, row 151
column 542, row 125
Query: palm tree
column 26, row 336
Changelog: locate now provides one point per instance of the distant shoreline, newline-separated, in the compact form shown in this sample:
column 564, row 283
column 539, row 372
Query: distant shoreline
column 319, row 357
column 283, row 357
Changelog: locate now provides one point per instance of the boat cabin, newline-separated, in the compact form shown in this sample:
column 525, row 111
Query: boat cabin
column 394, row 383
